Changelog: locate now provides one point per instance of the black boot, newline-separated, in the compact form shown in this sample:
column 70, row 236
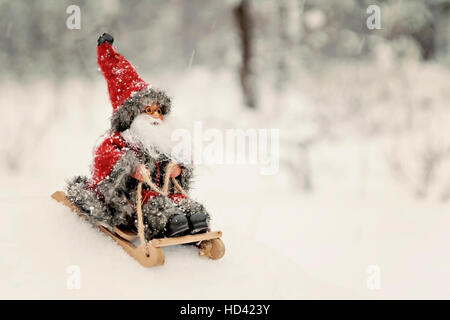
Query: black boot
column 198, row 222
column 177, row 226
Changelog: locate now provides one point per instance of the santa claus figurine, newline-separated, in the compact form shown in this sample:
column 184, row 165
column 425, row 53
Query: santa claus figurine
column 133, row 148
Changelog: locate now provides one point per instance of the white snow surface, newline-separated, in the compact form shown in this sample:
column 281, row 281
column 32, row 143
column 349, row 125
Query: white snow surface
column 281, row 243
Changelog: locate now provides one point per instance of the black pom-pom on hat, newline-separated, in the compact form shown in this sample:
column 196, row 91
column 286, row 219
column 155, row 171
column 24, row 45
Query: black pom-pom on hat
column 106, row 37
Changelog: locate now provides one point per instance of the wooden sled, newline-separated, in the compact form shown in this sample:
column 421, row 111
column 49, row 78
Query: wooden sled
column 149, row 253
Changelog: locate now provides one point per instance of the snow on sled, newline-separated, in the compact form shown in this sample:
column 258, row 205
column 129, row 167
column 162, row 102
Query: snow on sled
column 149, row 253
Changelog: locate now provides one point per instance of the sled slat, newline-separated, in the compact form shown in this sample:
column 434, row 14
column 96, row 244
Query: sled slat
column 126, row 234
column 146, row 256
column 164, row 242
column 60, row 196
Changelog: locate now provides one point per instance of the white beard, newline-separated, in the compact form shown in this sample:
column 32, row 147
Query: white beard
column 155, row 135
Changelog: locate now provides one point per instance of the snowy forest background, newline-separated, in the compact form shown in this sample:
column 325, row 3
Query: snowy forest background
column 364, row 153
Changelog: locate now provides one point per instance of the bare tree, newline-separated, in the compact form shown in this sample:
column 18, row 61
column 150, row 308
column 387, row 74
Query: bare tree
column 289, row 35
column 243, row 17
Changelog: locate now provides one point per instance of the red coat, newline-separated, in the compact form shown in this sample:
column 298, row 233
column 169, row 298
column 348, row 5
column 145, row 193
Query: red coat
column 106, row 156
column 108, row 153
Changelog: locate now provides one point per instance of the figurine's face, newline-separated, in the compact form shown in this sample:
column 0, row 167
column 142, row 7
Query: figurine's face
column 154, row 110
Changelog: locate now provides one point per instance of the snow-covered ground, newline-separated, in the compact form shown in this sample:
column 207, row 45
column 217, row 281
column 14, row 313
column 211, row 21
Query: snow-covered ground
column 281, row 242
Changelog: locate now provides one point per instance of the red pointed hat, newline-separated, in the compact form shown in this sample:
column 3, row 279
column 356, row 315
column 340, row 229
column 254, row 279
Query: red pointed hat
column 129, row 94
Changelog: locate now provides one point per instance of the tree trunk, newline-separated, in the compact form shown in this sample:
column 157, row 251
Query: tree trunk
column 289, row 35
column 243, row 18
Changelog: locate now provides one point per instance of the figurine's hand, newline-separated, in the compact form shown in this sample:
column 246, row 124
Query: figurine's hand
column 140, row 171
column 176, row 171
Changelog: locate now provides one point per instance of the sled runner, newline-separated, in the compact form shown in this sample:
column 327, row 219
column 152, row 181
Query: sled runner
column 149, row 253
